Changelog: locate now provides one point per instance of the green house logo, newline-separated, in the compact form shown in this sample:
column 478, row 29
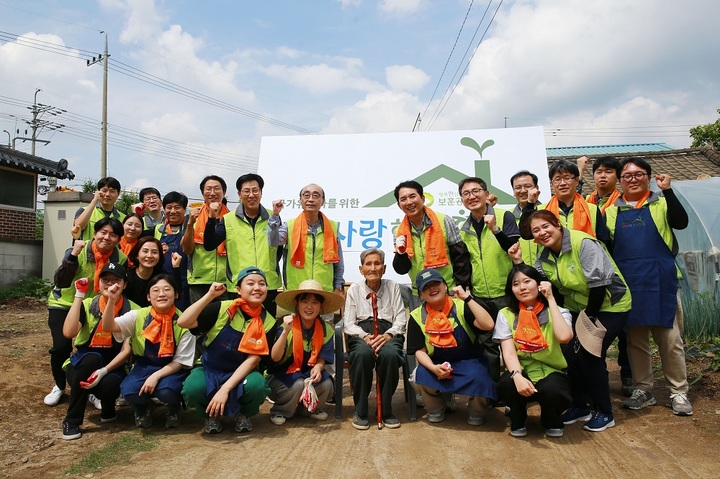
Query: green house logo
column 482, row 170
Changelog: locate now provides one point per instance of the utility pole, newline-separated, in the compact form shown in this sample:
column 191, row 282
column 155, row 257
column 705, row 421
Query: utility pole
column 103, row 141
column 418, row 120
column 36, row 124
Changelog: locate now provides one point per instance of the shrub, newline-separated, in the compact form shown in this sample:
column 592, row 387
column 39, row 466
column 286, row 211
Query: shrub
column 26, row 288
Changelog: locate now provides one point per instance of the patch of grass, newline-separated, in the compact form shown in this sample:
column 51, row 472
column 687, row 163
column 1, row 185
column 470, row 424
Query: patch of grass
column 702, row 314
column 112, row 453
column 26, row 288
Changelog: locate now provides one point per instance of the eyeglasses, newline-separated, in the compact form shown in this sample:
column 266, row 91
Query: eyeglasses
column 248, row 191
column 151, row 198
column 473, row 192
column 563, row 179
column 637, row 176
column 523, row 187
column 210, row 189
column 314, row 195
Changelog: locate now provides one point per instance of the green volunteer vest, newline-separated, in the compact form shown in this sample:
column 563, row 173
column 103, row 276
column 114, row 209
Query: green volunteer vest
column 420, row 314
column 98, row 214
column 417, row 262
column 93, row 315
column 248, row 246
column 315, row 268
column 207, row 267
column 490, row 263
column 307, row 343
column 567, row 221
column 137, row 342
column 62, row 298
column 541, row 364
column 566, row 273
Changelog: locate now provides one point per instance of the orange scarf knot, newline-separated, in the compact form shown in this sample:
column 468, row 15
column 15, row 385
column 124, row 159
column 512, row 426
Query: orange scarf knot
column 299, row 241
column 254, row 339
column 528, row 335
column 298, row 349
column 641, row 201
column 435, row 250
column 102, row 338
column 160, row 330
column 199, row 231
column 101, row 259
column 438, row 326
column 581, row 213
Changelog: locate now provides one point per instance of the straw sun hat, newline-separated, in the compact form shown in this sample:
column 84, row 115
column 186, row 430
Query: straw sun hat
column 332, row 301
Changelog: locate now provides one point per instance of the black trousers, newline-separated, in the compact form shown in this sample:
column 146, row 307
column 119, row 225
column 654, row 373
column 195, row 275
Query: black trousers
column 61, row 346
column 107, row 390
column 553, row 396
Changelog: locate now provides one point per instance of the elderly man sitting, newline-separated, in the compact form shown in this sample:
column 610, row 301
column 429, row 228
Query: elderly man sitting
column 368, row 349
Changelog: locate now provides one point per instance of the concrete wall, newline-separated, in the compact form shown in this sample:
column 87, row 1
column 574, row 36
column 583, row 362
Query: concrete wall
column 19, row 259
column 60, row 208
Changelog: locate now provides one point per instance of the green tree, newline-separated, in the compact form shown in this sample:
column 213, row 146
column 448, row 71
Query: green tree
column 706, row 135
column 89, row 186
column 126, row 200
column 39, row 224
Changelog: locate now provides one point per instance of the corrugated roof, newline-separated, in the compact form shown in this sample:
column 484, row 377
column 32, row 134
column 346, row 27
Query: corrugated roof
column 599, row 150
column 685, row 164
column 34, row 164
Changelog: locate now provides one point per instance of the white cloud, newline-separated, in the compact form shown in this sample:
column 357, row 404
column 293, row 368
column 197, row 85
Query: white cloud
column 321, row 78
column 406, row 77
column 401, row 7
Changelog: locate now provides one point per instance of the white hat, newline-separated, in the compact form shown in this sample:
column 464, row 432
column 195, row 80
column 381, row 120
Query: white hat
column 332, row 301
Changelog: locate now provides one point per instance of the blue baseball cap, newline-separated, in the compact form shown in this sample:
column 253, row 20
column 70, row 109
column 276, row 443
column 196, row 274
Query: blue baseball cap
column 427, row 276
column 248, row 271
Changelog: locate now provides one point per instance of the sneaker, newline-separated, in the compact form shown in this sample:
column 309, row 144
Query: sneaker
column 575, row 414
column 277, row 419
column 319, row 415
column 213, row 426
column 143, row 421
column 520, row 432
column 391, row 422
column 626, row 388
column 267, row 398
column 555, row 432
column 120, row 401
column 475, row 419
column 54, row 396
column 95, row 401
column 419, row 400
column 507, row 411
column 243, row 424
column 172, row 421
column 361, row 424
column 436, row 416
column 639, row 400
column 599, row 422
column 70, row 431
column 108, row 418
column 681, row 405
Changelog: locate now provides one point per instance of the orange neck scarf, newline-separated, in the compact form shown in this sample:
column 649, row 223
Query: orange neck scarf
column 299, row 241
column 125, row 246
column 160, row 330
column 581, row 213
column 593, row 198
column 528, row 335
column 297, row 344
column 102, row 338
column 439, row 327
column 254, row 339
column 435, row 251
column 199, row 232
column 641, row 201
column 101, row 259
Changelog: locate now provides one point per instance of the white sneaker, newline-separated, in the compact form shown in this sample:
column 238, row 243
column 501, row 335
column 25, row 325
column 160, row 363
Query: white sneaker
column 95, row 401
column 681, row 405
column 54, row 396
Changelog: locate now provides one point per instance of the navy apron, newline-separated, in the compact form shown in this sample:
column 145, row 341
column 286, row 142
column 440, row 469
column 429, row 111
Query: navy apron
column 648, row 266
column 149, row 363
column 470, row 376
column 220, row 360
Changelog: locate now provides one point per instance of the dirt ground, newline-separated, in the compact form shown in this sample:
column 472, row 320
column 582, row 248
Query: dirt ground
column 649, row 443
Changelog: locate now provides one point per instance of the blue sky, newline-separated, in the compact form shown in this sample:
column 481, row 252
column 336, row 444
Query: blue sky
column 589, row 71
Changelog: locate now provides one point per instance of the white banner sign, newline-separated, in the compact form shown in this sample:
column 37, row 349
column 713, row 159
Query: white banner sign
column 359, row 174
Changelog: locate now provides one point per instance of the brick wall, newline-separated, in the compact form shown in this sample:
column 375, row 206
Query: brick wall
column 18, row 225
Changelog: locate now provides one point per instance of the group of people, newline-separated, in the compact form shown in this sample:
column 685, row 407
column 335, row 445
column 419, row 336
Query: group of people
column 175, row 305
